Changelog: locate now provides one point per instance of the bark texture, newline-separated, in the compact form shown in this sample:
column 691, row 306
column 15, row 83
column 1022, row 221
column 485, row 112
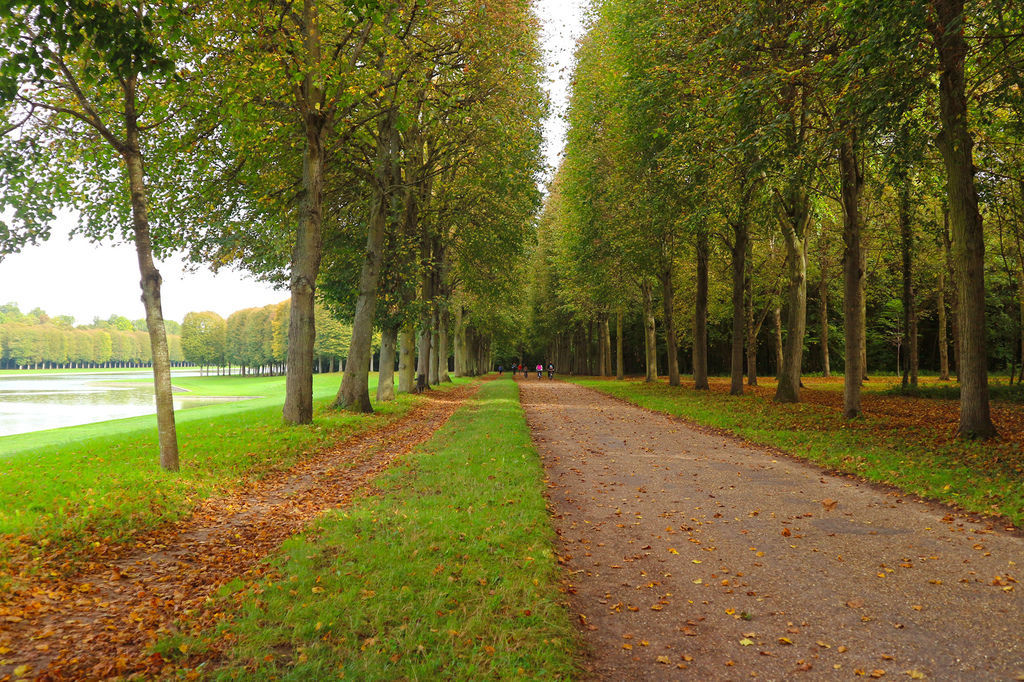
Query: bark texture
column 852, row 187
column 668, row 300
column 794, row 219
column 700, row 319
column 619, row 369
column 650, row 340
column 406, row 359
column 741, row 237
column 386, row 377
column 150, row 283
column 306, row 251
column 956, row 146
column 354, row 393
column 940, row 307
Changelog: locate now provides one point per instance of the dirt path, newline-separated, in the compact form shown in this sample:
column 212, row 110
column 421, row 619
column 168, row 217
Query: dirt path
column 690, row 556
column 101, row 623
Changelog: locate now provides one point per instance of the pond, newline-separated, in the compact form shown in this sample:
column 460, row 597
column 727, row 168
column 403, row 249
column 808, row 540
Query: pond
column 33, row 402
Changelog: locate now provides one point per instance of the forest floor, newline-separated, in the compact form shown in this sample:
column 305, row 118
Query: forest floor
column 102, row 620
column 686, row 549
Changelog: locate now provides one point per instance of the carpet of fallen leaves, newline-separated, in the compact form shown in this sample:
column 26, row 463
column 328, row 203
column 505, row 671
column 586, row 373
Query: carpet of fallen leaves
column 99, row 618
column 928, row 423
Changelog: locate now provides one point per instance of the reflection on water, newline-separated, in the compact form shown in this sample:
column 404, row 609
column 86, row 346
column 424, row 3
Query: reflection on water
column 36, row 402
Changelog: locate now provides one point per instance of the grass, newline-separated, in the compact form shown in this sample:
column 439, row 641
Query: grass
column 445, row 572
column 956, row 472
column 99, row 483
column 267, row 391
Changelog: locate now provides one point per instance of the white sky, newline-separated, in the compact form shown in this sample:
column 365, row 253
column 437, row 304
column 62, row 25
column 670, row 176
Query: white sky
column 84, row 280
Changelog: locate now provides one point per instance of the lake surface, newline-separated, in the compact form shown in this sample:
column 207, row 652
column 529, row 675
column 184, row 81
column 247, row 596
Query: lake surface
column 33, row 402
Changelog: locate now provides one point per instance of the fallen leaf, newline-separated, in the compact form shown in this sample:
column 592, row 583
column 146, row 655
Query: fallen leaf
column 855, row 603
column 914, row 674
column 663, row 659
column 829, row 504
column 746, row 642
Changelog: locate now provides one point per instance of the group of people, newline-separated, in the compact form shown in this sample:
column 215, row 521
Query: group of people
column 525, row 369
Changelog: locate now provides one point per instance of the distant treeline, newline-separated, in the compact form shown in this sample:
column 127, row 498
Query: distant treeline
column 256, row 340
column 34, row 340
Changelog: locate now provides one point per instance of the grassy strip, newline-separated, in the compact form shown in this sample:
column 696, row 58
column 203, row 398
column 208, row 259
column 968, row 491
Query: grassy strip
column 105, row 484
column 446, row 573
column 947, row 473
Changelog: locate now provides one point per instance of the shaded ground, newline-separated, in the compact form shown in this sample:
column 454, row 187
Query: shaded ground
column 901, row 413
column 690, row 555
column 102, row 622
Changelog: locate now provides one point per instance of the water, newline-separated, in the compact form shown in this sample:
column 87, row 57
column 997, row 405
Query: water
column 33, row 402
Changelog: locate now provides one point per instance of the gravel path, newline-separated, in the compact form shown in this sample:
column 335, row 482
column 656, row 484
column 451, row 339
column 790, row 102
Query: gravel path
column 693, row 556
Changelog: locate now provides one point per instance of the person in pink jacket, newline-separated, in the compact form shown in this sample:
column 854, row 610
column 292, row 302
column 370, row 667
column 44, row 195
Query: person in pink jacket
column 540, row 370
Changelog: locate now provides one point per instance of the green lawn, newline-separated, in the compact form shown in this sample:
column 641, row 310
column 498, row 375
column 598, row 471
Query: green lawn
column 66, row 488
column 962, row 473
column 446, row 572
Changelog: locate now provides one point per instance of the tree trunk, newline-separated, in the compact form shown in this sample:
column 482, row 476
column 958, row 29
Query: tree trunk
column 434, row 347
column 940, row 307
column 354, row 393
column 607, row 345
column 741, row 235
column 668, row 300
column 602, row 330
column 442, row 346
column 460, row 343
column 700, row 319
column 619, row 369
column 793, row 229
column 386, row 378
column 956, row 146
column 909, row 313
column 150, row 281
column 650, row 340
column 752, row 332
column 406, row 359
column 306, row 251
column 777, row 317
column 852, row 181
column 1021, row 332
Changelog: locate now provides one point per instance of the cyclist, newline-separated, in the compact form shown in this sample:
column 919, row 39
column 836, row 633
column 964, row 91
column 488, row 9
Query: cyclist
column 551, row 371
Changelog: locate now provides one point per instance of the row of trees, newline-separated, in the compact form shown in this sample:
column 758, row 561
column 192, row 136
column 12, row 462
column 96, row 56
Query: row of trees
column 256, row 340
column 379, row 156
column 36, row 340
column 47, row 346
column 724, row 157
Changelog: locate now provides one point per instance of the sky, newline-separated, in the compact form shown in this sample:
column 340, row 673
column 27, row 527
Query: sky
column 74, row 277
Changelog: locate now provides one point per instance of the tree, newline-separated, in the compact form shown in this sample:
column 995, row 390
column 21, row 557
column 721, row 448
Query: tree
column 88, row 82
